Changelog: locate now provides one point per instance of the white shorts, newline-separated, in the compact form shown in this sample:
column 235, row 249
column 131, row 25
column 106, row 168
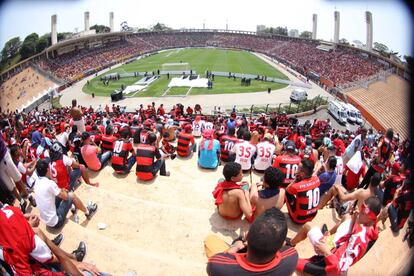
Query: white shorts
column 9, row 172
column 315, row 234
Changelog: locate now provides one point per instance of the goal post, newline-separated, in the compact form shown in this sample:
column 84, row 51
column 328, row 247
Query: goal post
column 178, row 66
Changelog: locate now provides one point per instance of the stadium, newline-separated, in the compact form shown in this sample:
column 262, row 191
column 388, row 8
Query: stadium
column 164, row 83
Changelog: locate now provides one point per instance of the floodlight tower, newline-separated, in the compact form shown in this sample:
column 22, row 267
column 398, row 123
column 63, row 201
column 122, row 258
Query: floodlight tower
column 314, row 25
column 54, row 31
column 111, row 21
column 336, row 30
column 86, row 17
column 368, row 19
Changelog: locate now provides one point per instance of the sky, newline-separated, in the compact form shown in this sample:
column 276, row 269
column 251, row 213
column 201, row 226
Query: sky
column 391, row 20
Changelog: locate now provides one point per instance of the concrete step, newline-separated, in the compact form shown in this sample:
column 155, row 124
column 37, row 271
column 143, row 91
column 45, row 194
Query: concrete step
column 118, row 258
column 161, row 228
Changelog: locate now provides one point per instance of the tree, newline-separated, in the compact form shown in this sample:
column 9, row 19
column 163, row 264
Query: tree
column 344, row 41
column 44, row 42
column 281, row 31
column 306, row 34
column 29, row 45
column 11, row 48
column 380, row 47
column 159, row 27
column 63, row 36
column 100, row 28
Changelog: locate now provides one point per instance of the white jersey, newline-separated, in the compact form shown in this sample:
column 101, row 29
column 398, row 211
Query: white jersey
column 339, row 169
column 265, row 151
column 197, row 127
column 244, row 152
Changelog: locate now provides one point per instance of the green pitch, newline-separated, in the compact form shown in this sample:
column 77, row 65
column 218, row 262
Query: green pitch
column 199, row 60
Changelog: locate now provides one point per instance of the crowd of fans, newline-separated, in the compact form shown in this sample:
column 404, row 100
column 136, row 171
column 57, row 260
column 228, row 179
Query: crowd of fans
column 364, row 175
column 341, row 65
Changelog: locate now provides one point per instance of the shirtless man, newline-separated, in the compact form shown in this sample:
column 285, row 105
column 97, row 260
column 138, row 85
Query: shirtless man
column 358, row 195
column 272, row 194
column 77, row 116
column 232, row 199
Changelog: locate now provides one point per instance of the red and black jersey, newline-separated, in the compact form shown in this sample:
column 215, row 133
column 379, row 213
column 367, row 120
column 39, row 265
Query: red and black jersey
column 391, row 185
column 108, row 142
column 288, row 165
column 226, row 145
column 284, row 263
column 384, row 154
column 403, row 204
column 96, row 137
column 302, row 199
column 120, row 155
column 183, row 143
column 145, row 161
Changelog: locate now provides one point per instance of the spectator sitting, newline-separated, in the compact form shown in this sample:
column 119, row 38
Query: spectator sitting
column 54, row 203
column 92, row 154
column 209, row 151
column 108, row 139
column 27, row 249
column 232, row 199
column 297, row 193
column 327, row 176
column 120, row 161
column 146, row 167
column 272, row 194
column 167, row 149
column 186, row 144
column 264, row 249
column 346, row 199
column 344, row 245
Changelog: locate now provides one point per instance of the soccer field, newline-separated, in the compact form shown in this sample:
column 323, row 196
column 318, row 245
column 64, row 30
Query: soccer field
column 200, row 60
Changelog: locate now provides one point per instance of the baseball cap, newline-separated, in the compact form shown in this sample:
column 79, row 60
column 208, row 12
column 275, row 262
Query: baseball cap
column 290, row 145
column 188, row 127
column 56, row 147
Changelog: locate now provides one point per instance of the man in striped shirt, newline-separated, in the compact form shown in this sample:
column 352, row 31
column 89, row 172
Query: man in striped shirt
column 146, row 167
column 265, row 253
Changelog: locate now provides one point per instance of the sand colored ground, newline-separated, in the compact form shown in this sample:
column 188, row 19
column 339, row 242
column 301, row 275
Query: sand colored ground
column 158, row 227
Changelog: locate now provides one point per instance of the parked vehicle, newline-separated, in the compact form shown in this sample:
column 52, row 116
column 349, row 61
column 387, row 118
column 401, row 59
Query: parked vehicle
column 298, row 95
column 357, row 113
column 336, row 109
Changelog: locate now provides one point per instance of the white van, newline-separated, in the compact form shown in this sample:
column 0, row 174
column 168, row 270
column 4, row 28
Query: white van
column 298, row 95
column 357, row 113
column 350, row 112
column 337, row 111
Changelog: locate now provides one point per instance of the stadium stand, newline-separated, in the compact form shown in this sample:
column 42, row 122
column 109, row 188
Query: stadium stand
column 386, row 102
column 23, row 88
column 340, row 66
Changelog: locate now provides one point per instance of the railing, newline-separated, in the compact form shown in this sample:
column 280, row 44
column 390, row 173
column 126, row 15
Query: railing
column 365, row 82
column 288, row 108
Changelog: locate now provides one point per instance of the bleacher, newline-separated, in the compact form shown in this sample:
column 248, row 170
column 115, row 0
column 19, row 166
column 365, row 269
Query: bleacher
column 386, row 102
column 158, row 227
column 22, row 88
